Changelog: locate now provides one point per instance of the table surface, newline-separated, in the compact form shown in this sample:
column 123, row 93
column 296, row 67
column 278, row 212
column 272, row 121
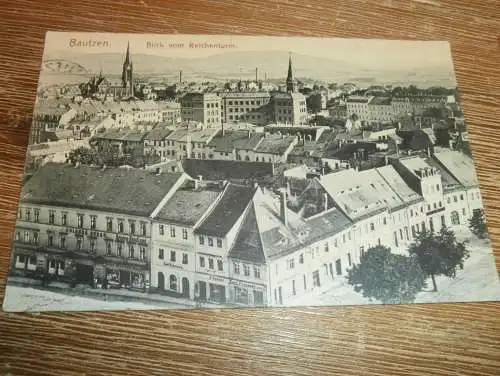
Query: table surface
column 433, row 339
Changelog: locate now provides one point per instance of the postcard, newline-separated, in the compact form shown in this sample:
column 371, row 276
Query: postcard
column 192, row 171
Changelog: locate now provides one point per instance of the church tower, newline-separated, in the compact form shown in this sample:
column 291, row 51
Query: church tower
column 291, row 85
column 127, row 82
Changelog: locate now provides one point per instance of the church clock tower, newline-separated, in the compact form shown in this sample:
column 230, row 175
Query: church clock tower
column 127, row 73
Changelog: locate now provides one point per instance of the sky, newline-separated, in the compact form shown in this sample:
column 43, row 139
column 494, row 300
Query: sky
column 369, row 53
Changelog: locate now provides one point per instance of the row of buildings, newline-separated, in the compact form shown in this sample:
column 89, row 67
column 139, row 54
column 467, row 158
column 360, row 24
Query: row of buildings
column 371, row 109
column 227, row 243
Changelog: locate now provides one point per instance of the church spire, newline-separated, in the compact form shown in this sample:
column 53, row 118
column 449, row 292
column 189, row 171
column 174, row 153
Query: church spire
column 291, row 85
column 127, row 73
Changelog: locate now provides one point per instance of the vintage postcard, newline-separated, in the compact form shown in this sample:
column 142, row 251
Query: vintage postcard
column 188, row 171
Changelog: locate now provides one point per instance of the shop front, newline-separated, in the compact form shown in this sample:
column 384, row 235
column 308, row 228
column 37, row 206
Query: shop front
column 125, row 276
column 212, row 289
column 248, row 294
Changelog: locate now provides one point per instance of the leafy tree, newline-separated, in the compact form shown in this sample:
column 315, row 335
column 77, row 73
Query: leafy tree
column 477, row 224
column 439, row 253
column 387, row 277
column 85, row 156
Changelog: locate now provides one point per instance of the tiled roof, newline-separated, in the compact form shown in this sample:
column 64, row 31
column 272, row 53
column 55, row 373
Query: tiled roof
column 221, row 170
column 275, row 144
column 120, row 135
column 459, row 165
column 231, row 140
column 158, row 134
column 248, row 245
column 130, row 191
column 228, row 210
column 197, row 135
column 187, row 205
column 385, row 101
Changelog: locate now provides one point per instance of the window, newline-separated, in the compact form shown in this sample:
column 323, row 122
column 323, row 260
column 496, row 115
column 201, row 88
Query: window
column 52, row 215
column 219, row 242
column 326, row 248
column 435, row 206
column 109, row 224
column 35, row 237
column 79, row 243
column 210, row 242
column 201, row 238
column 161, row 253
column 372, row 226
column 143, row 228
column 92, row 245
column 464, row 212
column 202, row 261
column 294, row 292
column 256, row 272
column 142, row 253
column 184, row 258
column 27, row 214
column 50, row 240
column 291, row 263
column 80, row 220
column 131, row 225
column 361, row 251
column 173, row 282
column 172, row 256
column 63, row 241
column 121, row 226
column 172, row 231
column 349, row 261
column 316, row 282
column 131, row 252
column 161, row 229
column 343, row 238
column 32, row 260
column 448, row 200
column 184, row 234
column 93, row 220
column 461, row 197
column 455, row 199
column 211, row 263
column 246, row 270
column 108, row 248
column 119, row 249
column 437, row 187
column 301, row 258
column 220, row 266
column 236, row 268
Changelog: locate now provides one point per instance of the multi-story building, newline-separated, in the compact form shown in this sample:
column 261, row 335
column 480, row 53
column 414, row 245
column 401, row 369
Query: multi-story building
column 118, row 143
column 155, row 142
column 173, row 255
column 170, row 113
column 251, row 147
column 81, row 224
column 402, row 105
column 189, row 143
column 380, row 110
column 249, row 107
column 358, row 105
column 202, row 108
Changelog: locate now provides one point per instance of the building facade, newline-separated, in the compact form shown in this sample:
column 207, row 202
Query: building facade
column 202, row 108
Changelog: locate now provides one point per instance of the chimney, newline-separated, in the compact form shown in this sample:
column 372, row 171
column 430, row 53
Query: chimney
column 256, row 74
column 180, row 76
column 283, row 213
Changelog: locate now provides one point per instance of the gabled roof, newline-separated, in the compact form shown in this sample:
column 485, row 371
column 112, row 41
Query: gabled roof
column 187, row 205
column 275, row 144
column 235, row 140
column 459, row 165
column 248, row 245
column 196, row 135
column 131, row 191
column 158, row 134
column 227, row 211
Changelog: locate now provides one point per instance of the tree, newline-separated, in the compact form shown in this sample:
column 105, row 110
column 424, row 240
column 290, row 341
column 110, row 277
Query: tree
column 439, row 253
column 477, row 224
column 387, row 277
column 84, row 156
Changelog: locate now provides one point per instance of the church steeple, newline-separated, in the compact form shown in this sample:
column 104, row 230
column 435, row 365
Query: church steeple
column 291, row 85
column 127, row 73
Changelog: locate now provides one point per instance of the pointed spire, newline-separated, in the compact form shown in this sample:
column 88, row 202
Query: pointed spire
column 289, row 77
column 127, row 55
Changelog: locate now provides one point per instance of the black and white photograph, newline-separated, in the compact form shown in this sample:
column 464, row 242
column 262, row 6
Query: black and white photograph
column 205, row 171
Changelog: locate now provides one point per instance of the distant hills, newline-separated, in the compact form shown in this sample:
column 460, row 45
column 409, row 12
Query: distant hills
column 62, row 66
column 242, row 64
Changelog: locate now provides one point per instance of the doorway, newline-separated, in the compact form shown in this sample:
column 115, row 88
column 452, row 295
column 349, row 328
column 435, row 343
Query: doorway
column 185, row 287
column 161, row 281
